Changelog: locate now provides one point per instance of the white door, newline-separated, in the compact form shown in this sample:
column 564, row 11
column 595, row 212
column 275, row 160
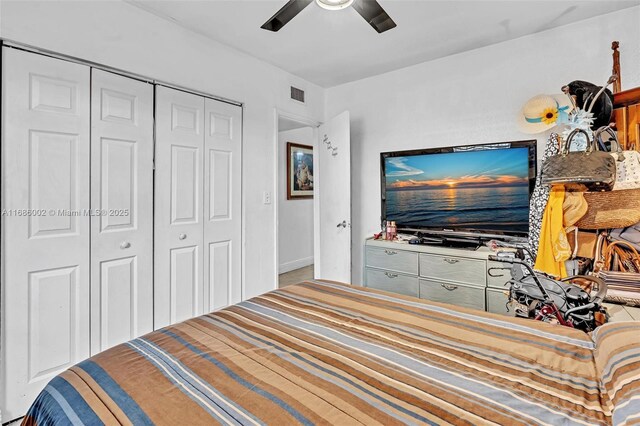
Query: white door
column 122, row 209
column 332, row 200
column 45, row 197
column 222, row 204
column 178, row 234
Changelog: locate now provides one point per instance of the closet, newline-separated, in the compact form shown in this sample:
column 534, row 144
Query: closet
column 45, row 167
column 122, row 203
column 198, row 205
column 121, row 213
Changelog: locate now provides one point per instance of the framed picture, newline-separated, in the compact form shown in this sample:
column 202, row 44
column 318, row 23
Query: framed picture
column 299, row 171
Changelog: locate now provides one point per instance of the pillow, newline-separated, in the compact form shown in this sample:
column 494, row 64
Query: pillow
column 617, row 359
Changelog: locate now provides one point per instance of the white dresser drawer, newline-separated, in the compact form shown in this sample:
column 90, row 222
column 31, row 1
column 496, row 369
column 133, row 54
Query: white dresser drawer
column 456, row 294
column 451, row 268
column 392, row 281
column 392, row 259
column 497, row 302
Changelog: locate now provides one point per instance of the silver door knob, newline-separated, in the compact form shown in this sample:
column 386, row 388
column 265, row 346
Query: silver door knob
column 182, row 236
column 342, row 224
column 125, row 245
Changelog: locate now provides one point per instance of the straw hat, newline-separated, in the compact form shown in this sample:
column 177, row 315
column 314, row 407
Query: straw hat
column 611, row 209
column 543, row 112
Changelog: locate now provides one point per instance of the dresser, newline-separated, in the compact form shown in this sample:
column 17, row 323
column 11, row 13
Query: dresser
column 449, row 275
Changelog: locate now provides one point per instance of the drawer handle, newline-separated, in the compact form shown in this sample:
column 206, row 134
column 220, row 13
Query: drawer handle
column 449, row 286
column 390, row 252
column 390, row 275
column 451, row 261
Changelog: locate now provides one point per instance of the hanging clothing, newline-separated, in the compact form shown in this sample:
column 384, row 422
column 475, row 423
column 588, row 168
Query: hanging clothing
column 539, row 199
column 553, row 248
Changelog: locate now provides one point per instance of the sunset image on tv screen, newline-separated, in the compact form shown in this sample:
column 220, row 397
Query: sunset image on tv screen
column 484, row 189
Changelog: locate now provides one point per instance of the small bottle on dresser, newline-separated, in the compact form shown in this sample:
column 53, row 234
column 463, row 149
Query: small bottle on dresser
column 391, row 230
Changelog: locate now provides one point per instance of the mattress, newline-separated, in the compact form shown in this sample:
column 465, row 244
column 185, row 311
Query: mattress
column 329, row 353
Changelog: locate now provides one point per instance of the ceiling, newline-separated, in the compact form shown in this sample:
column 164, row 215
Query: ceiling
column 329, row 48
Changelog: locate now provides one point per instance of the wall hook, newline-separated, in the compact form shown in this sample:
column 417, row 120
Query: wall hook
column 327, row 142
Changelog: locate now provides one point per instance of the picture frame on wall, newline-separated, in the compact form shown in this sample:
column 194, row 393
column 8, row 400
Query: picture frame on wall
column 299, row 171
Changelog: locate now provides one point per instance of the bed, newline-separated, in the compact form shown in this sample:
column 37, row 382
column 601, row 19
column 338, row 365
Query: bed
column 328, row 353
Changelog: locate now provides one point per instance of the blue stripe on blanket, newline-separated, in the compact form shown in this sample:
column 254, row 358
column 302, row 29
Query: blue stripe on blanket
column 117, row 394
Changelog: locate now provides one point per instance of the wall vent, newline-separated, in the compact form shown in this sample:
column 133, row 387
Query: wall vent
column 297, row 94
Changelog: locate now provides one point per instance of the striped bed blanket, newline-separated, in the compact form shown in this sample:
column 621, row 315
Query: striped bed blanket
column 328, row 353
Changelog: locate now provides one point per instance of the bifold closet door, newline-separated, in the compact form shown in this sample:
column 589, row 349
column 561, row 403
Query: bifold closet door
column 178, row 241
column 223, row 204
column 45, row 199
column 122, row 206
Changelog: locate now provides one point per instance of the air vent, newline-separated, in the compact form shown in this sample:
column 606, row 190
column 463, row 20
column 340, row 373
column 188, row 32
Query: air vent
column 297, row 94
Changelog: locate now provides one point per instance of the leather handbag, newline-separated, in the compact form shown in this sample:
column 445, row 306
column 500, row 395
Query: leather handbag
column 627, row 162
column 592, row 168
column 583, row 243
column 621, row 256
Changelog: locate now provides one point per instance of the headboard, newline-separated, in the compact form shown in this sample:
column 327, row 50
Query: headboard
column 626, row 108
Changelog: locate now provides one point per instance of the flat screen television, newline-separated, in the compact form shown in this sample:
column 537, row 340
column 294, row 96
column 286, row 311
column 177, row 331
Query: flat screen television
column 474, row 189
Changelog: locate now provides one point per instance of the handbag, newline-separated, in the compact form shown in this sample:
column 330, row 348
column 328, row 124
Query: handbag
column 621, row 256
column 627, row 162
column 583, row 244
column 582, row 252
column 592, row 168
column 611, row 209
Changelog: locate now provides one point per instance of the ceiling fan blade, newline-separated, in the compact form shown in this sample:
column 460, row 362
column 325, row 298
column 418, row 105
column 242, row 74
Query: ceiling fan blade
column 374, row 14
column 284, row 15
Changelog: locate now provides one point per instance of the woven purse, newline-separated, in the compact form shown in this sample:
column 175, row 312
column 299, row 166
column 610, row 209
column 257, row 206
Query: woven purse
column 592, row 168
column 611, row 209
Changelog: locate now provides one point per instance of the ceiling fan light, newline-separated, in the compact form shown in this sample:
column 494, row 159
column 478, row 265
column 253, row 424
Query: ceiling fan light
column 334, row 4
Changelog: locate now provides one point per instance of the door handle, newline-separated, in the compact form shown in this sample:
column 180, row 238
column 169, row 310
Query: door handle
column 125, row 245
column 449, row 287
column 182, row 236
column 342, row 224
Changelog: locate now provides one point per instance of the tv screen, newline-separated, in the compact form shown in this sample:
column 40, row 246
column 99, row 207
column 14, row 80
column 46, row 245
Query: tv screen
column 477, row 188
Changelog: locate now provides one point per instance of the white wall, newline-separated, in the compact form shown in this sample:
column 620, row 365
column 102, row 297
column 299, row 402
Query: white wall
column 295, row 217
column 472, row 97
column 123, row 36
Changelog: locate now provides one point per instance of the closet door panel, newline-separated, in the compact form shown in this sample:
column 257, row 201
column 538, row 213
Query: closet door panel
column 45, row 197
column 122, row 209
column 222, row 199
column 178, row 286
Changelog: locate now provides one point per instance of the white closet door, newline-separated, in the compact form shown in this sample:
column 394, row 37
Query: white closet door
column 45, row 168
column 222, row 204
column 122, row 206
column 178, row 244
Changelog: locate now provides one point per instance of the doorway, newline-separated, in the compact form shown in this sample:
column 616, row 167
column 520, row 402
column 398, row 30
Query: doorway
column 294, row 202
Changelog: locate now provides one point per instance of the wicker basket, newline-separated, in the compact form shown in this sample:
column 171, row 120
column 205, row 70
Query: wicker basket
column 611, row 209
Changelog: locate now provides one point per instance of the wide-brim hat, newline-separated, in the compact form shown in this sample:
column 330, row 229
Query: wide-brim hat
column 543, row 112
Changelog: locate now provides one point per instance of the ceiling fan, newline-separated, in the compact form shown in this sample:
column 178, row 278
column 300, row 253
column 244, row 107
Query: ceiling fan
column 370, row 10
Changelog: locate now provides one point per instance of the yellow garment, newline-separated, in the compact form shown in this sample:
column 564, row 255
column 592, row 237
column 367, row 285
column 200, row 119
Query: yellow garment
column 554, row 247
